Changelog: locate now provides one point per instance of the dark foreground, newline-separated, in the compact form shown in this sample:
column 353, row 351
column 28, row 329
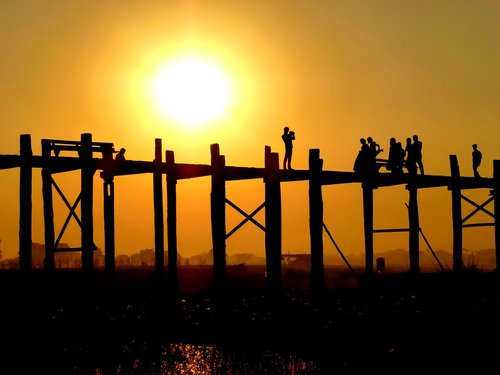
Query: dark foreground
column 391, row 323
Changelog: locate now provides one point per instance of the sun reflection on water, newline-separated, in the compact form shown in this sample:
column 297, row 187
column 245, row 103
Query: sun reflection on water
column 214, row 359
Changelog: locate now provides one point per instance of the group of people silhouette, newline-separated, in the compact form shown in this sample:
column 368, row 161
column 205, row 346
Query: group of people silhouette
column 399, row 158
column 366, row 161
column 409, row 157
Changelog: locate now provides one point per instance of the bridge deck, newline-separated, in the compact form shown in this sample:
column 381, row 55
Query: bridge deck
column 231, row 173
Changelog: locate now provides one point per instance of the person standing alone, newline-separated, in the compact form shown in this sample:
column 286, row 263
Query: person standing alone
column 288, row 138
column 476, row 159
column 416, row 151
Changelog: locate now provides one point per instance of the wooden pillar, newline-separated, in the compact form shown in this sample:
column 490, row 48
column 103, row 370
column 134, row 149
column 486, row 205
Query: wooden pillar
column 48, row 210
column 109, row 226
column 456, row 211
column 109, row 213
column 218, row 215
column 87, row 185
column 316, row 219
column 273, row 218
column 368, row 226
column 158, row 212
column 25, row 204
column 414, row 226
column 496, row 207
column 171, row 217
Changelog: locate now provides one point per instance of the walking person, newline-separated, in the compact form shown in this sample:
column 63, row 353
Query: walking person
column 396, row 157
column 374, row 149
column 362, row 159
column 288, row 138
column 409, row 158
column 476, row 160
column 417, row 153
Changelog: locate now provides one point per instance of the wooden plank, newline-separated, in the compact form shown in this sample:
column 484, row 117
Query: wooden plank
column 335, row 177
column 292, row 175
column 243, row 173
column 185, row 171
column 131, row 167
column 391, row 230
column 10, row 161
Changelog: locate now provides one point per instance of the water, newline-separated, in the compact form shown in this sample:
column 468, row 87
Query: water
column 143, row 357
column 216, row 359
column 56, row 328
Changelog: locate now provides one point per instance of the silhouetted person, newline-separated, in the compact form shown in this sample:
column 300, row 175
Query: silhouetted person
column 362, row 159
column 410, row 164
column 396, row 157
column 374, row 150
column 477, row 157
column 120, row 156
column 288, row 138
column 416, row 148
column 400, row 157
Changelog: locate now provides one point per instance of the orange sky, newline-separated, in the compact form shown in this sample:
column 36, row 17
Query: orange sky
column 334, row 71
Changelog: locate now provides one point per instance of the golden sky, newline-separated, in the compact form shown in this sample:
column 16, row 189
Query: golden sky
column 333, row 71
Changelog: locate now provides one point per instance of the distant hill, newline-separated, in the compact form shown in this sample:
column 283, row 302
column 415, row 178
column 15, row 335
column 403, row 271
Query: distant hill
column 206, row 258
column 397, row 259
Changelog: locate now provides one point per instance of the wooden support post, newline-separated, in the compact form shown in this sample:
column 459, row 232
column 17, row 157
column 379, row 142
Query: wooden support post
column 25, row 204
column 414, row 225
column 368, row 226
column 109, row 214
column 158, row 212
column 171, row 217
column 273, row 219
column 316, row 219
column 218, row 215
column 87, row 185
column 48, row 209
column 496, row 207
column 456, row 211
column 109, row 227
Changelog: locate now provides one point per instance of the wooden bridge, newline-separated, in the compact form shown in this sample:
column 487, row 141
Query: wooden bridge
column 90, row 156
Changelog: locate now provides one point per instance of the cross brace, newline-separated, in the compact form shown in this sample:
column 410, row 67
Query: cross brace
column 248, row 217
column 71, row 213
column 478, row 208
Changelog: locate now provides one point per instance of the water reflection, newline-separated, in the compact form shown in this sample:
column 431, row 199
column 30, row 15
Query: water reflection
column 185, row 358
column 217, row 359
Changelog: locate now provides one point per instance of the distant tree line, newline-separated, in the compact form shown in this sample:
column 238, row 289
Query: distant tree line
column 472, row 259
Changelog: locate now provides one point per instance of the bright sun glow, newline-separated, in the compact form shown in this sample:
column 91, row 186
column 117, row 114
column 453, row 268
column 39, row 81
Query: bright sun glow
column 192, row 91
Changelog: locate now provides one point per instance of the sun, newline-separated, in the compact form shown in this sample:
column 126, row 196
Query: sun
column 192, row 91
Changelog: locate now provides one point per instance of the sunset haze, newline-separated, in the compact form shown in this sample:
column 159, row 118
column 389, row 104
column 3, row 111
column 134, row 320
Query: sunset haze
column 333, row 71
